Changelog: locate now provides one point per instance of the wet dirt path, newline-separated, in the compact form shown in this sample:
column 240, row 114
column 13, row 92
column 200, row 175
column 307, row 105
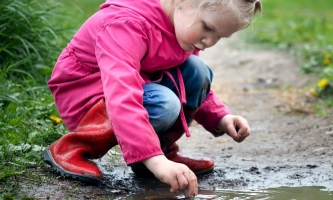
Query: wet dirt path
column 289, row 144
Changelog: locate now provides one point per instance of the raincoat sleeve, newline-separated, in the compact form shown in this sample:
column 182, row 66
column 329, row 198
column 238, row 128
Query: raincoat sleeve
column 211, row 112
column 120, row 46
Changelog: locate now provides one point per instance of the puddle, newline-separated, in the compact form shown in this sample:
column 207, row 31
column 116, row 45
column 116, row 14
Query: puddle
column 166, row 195
column 281, row 193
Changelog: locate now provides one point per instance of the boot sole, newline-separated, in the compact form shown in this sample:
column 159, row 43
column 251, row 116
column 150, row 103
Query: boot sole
column 47, row 157
column 205, row 172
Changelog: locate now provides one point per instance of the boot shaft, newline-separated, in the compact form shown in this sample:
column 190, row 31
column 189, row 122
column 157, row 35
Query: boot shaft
column 92, row 138
column 96, row 119
column 94, row 135
column 176, row 131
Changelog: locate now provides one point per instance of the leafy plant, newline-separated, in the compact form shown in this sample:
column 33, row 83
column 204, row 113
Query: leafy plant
column 303, row 28
column 32, row 35
column 28, row 39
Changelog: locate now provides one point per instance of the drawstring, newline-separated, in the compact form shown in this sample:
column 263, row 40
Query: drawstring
column 182, row 96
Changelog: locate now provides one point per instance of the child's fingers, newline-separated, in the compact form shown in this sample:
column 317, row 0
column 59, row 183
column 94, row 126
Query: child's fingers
column 185, row 180
column 192, row 183
column 231, row 130
column 243, row 131
column 178, row 181
column 174, row 184
column 242, row 134
column 182, row 181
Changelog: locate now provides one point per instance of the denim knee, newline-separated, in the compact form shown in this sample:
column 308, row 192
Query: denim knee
column 195, row 72
column 197, row 78
column 162, row 105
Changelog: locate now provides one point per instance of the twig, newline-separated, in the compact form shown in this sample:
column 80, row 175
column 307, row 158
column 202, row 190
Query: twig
column 30, row 124
column 28, row 179
column 31, row 180
column 48, row 197
column 13, row 164
column 37, row 170
column 103, row 194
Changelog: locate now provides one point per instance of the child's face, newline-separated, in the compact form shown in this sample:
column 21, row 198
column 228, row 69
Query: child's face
column 195, row 32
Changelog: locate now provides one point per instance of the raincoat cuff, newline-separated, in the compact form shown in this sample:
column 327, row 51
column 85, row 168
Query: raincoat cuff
column 210, row 113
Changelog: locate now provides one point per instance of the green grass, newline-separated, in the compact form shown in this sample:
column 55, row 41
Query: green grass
column 27, row 38
column 290, row 23
column 32, row 35
column 304, row 28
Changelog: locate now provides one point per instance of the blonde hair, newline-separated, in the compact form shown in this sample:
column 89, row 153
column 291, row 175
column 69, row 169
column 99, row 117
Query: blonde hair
column 245, row 10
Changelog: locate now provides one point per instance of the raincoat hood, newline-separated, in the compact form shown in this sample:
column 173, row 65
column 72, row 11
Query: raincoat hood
column 156, row 15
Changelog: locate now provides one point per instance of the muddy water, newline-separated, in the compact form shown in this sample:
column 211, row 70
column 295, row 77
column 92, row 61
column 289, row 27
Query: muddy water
column 282, row 193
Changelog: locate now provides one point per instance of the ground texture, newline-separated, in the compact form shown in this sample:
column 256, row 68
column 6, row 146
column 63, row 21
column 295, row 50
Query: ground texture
column 289, row 145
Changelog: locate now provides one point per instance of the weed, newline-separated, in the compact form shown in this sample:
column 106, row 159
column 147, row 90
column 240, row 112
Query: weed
column 32, row 34
column 304, row 29
column 28, row 40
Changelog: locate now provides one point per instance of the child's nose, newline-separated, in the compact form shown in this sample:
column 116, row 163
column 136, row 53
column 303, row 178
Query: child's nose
column 209, row 42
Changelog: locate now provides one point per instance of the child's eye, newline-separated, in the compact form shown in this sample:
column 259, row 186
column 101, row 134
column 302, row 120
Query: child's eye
column 206, row 27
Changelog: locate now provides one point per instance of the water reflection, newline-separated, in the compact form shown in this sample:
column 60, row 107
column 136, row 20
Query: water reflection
column 166, row 195
column 282, row 193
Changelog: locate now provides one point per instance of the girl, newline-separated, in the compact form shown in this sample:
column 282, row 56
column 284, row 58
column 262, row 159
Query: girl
column 131, row 76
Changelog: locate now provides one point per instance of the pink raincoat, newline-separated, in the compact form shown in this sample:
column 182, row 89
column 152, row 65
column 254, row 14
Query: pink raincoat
column 116, row 51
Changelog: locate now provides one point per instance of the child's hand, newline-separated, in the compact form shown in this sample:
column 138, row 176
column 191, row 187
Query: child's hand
column 235, row 126
column 177, row 175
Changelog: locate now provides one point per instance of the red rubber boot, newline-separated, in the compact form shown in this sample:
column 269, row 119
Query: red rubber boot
column 172, row 152
column 92, row 138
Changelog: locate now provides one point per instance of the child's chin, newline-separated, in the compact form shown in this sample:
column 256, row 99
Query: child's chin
column 188, row 49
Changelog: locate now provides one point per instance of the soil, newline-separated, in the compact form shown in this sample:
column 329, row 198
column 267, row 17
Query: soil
column 289, row 144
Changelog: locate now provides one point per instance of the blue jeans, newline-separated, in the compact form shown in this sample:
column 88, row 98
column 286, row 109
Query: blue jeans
column 161, row 100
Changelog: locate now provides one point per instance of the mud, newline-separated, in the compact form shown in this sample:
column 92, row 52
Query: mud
column 289, row 146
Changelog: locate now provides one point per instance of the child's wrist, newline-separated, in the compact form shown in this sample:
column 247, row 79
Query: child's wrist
column 153, row 161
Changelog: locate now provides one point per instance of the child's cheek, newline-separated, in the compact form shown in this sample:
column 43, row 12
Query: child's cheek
column 193, row 36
